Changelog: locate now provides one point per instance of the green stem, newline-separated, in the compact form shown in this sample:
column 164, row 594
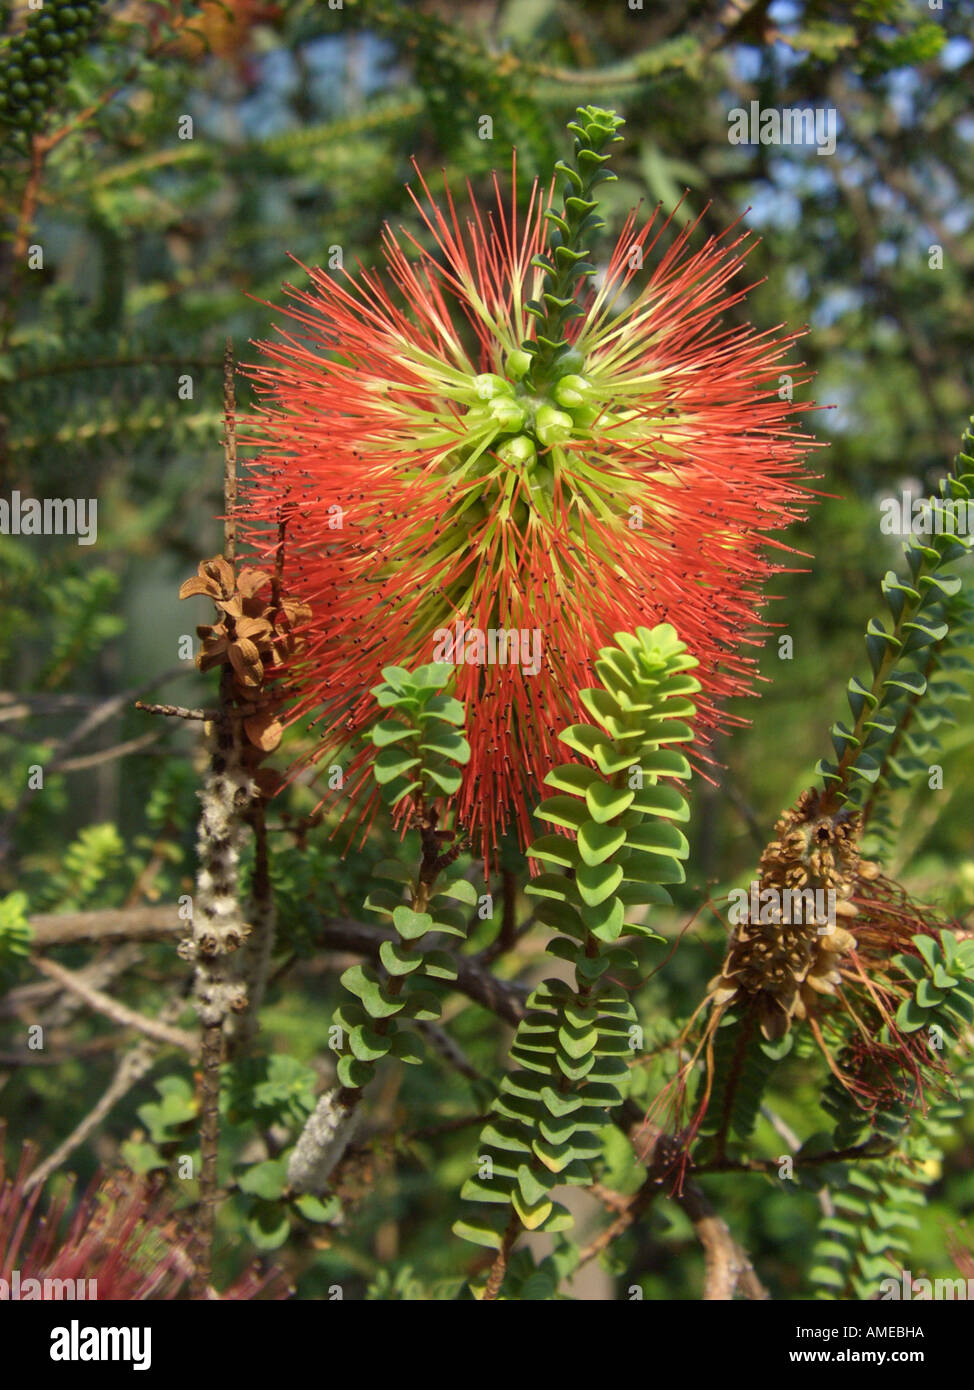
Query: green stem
column 567, row 266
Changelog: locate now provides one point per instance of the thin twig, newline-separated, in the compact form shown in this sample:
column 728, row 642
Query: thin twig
column 17, row 706
column 117, row 1012
column 505, row 998
column 498, row 1269
column 104, row 755
column 727, row 1264
column 212, row 1060
column 130, row 1071
column 108, row 924
column 98, row 715
column 227, row 794
column 176, row 711
column 633, row 1208
column 450, row 1051
column 109, row 1042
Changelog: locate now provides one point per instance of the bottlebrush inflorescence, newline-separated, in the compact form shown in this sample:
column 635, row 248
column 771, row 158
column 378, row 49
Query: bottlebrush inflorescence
column 500, row 446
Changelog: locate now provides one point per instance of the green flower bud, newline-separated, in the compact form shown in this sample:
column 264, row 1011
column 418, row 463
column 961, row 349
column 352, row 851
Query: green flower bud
column 517, row 364
column 572, row 391
column 487, row 386
column 553, row 426
column 508, row 414
column 519, row 452
column 585, row 416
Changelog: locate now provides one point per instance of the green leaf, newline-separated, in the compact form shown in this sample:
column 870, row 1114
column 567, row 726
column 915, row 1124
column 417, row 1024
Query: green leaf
column 443, row 707
column 448, row 745
column 397, row 959
column 411, row 925
column 598, row 842
column 877, row 642
column 896, row 593
column 268, row 1225
column 665, row 762
column 910, row 1016
column 658, row 837
column 927, row 996
column 368, row 1045
column 910, row 681
column 448, row 780
column 559, row 1103
column 314, row 1209
column 433, row 676
column 530, row 1186
column 439, row 966
column 460, row 889
column 479, row 1233
column 572, row 777
column 563, row 810
column 267, row 1179
column 392, row 763
column 422, row 1006
column 363, row 982
column 352, row 1072
column 597, row 882
column 928, row 949
column 661, row 800
column 531, row 1214
column 577, row 1042
column 408, row 1048
column 606, row 919
column 554, row 849
column 859, row 697
column 552, row 886
column 497, row 1190
column 605, row 802
column 383, row 900
column 584, row 739
column 388, row 732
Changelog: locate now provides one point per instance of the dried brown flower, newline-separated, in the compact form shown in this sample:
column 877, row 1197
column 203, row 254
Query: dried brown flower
column 254, row 636
column 782, row 963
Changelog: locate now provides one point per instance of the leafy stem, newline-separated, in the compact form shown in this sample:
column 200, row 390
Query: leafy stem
column 566, row 265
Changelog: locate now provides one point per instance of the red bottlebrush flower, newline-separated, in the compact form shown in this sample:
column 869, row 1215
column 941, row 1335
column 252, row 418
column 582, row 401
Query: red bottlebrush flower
column 453, row 493
column 121, row 1243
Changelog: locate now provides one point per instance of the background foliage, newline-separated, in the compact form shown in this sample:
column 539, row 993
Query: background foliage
column 156, row 249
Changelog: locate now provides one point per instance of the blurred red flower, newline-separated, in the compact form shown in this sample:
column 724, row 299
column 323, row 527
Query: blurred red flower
column 122, row 1242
